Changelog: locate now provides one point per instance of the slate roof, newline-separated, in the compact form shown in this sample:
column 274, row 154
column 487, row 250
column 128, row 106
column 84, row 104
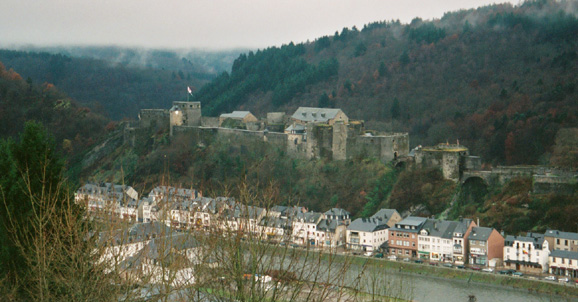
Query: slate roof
column 295, row 128
column 440, row 228
column 371, row 224
column 337, row 212
column 536, row 239
column 236, row 115
column 480, row 233
column 561, row 235
column 136, row 233
column 564, row 254
column 275, row 222
column 327, row 225
column 308, row 217
column 385, row 214
column 462, row 226
column 410, row 221
column 309, row 114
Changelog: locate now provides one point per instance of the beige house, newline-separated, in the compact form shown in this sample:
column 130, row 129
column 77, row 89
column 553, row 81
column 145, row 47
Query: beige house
column 565, row 241
column 564, row 263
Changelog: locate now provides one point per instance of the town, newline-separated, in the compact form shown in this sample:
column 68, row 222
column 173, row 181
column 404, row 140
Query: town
column 460, row 244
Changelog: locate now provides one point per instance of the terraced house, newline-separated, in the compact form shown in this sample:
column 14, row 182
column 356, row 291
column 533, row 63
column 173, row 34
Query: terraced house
column 486, row 247
column 369, row 234
column 526, row 253
column 565, row 241
column 403, row 237
column 438, row 238
column 564, row 263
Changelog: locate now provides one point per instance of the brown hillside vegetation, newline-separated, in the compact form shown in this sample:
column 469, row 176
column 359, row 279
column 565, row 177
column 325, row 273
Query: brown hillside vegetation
column 499, row 78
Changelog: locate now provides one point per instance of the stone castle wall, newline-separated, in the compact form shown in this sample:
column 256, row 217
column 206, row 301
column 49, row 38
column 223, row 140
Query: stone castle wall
column 209, row 121
column 206, row 135
column 384, row 147
column 338, row 141
column 157, row 118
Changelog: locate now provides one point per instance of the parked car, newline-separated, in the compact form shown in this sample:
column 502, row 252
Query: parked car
column 517, row 274
column 378, row 255
column 563, row 279
column 405, row 259
column 433, row 264
column 475, row 268
column 448, row 265
column 392, row 257
column 506, row 272
column 368, row 254
column 488, row 270
column 460, row 267
column 418, row 261
column 550, row 278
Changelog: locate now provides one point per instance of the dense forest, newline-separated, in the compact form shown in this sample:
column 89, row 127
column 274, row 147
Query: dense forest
column 74, row 128
column 500, row 79
column 116, row 82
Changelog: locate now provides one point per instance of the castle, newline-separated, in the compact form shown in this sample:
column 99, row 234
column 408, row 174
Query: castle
column 310, row 133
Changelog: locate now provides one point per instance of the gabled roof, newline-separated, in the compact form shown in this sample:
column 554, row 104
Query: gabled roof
column 463, row 225
column 440, row 228
column 564, row 254
column 561, row 235
column 295, row 127
column 309, row 114
column 385, row 214
column 410, row 224
column 136, row 233
column 275, row 222
column 236, row 114
column 371, row 224
column 337, row 212
column 327, row 225
column 536, row 239
column 480, row 233
column 308, row 217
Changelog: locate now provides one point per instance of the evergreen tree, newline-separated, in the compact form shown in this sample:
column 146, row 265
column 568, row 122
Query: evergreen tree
column 30, row 170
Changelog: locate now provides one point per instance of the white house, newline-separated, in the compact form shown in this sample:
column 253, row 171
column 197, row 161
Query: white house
column 526, row 253
column 368, row 234
column 304, row 226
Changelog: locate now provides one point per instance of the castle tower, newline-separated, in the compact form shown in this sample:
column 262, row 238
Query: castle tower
column 185, row 114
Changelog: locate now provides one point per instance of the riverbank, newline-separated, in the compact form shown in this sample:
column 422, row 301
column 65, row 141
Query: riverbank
column 469, row 276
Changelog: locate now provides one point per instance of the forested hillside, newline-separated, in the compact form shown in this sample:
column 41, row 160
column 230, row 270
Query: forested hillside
column 119, row 84
column 75, row 128
column 500, row 79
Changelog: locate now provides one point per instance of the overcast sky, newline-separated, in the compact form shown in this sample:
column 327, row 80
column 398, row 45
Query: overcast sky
column 210, row 24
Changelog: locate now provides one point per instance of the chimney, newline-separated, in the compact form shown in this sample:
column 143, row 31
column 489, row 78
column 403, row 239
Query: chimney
column 478, row 221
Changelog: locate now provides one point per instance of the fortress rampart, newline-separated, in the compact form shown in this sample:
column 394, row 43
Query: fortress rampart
column 335, row 138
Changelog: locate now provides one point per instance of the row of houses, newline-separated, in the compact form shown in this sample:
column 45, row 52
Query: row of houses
column 458, row 242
